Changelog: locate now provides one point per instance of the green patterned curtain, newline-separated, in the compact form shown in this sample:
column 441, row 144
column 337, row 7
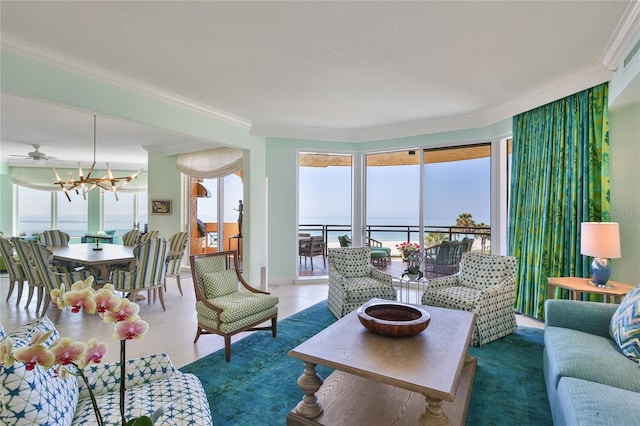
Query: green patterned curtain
column 559, row 178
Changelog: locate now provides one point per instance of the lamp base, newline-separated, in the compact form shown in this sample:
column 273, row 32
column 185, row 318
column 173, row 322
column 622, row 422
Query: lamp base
column 600, row 285
column 600, row 272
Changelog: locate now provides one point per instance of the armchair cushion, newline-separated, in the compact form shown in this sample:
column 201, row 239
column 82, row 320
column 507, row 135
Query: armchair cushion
column 221, row 283
column 480, row 272
column 238, row 305
column 625, row 325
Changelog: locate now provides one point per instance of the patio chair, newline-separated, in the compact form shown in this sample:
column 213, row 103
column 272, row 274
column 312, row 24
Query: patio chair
column 51, row 277
column 485, row 285
column 444, row 258
column 17, row 276
column 177, row 246
column 222, row 306
column 147, row 275
column 353, row 280
column 379, row 255
column 53, row 238
column 314, row 246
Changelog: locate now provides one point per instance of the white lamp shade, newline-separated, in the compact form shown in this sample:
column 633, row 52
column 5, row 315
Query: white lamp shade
column 600, row 239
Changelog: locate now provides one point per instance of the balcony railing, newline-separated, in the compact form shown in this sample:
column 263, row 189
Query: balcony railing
column 399, row 233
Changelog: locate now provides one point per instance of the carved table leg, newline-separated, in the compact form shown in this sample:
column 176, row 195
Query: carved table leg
column 433, row 414
column 309, row 382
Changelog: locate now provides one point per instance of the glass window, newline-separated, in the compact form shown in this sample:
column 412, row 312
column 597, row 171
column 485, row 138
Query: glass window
column 457, row 192
column 73, row 217
column 34, row 211
column 119, row 215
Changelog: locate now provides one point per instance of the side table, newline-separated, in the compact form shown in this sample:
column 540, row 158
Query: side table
column 615, row 290
column 405, row 285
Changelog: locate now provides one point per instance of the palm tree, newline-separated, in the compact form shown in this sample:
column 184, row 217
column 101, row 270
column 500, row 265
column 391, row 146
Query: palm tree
column 434, row 238
column 485, row 235
column 466, row 223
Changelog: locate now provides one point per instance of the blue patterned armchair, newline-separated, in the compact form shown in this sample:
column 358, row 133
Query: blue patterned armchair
column 353, row 280
column 485, row 285
column 39, row 397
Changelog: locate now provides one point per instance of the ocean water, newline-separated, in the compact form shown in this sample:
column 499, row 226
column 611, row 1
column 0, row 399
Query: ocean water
column 73, row 225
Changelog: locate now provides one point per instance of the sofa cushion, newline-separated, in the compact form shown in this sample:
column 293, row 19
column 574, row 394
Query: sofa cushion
column 587, row 403
column 573, row 353
column 218, row 284
column 625, row 325
column 37, row 396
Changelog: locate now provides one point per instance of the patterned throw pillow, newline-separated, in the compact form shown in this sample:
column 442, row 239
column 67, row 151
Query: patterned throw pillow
column 625, row 325
column 218, row 284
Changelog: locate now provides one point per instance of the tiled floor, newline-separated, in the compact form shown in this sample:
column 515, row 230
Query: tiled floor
column 171, row 331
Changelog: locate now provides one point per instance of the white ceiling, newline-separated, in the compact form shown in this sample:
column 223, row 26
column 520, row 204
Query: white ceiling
column 347, row 70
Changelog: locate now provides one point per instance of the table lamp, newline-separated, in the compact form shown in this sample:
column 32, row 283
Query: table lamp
column 600, row 240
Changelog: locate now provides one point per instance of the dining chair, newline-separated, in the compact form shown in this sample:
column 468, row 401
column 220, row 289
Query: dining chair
column 25, row 256
column 225, row 303
column 51, row 276
column 17, row 276
column 313, row 247
column 54, row 238
column 177, row 246
column 130, row 238
column 148, row 274
column 148, row 236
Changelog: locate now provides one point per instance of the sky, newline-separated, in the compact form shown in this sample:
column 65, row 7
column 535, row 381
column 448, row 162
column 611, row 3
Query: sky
column 452, row 188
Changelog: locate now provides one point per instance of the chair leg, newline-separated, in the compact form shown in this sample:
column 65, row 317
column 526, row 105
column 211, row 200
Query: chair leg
column 30, row 296
column 40, row 298
column 179, row 285
column 20, row 290
column 12, row 284
column 198, row 332
column 274, row 326
column 227, row 348
column 47, row 302
column 160, row 296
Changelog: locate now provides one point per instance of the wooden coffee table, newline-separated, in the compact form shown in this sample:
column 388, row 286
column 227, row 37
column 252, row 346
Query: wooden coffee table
column 386, row 380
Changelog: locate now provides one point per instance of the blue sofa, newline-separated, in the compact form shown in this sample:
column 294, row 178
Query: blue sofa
column 589, row 381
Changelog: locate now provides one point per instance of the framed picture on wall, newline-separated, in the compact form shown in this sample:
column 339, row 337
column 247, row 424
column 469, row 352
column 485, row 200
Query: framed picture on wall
column 160, row 206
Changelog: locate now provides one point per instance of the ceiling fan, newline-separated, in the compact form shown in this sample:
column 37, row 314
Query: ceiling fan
column 35, row 155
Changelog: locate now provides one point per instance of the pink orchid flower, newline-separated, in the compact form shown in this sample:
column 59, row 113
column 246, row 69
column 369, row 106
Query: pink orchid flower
column 66, row 350
column 93, row 353
column 81, row 285
column 128, row 330
column 33, row 355
column 6, row 353
column 126, row 311
column 106, row 300
column 57, row 297
column 80, row 300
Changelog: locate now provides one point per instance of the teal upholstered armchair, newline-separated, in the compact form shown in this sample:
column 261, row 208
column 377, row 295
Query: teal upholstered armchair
column 485, row 285
column 353, row 280
column 225, row 303
column 148, row 273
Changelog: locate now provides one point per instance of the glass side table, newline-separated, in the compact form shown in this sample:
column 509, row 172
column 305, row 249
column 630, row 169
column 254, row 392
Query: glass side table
column 406, row 286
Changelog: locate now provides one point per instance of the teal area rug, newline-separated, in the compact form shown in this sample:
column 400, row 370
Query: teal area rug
column 258, row 386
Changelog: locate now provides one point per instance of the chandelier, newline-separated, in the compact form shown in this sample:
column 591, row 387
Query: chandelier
column 86, row 183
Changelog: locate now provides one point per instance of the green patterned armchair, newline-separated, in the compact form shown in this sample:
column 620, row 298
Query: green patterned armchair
column 485, row 285
column 222, row 307
column 353, row 280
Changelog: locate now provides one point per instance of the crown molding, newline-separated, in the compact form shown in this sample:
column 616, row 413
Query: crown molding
column 623, row 37
column 68, row 63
